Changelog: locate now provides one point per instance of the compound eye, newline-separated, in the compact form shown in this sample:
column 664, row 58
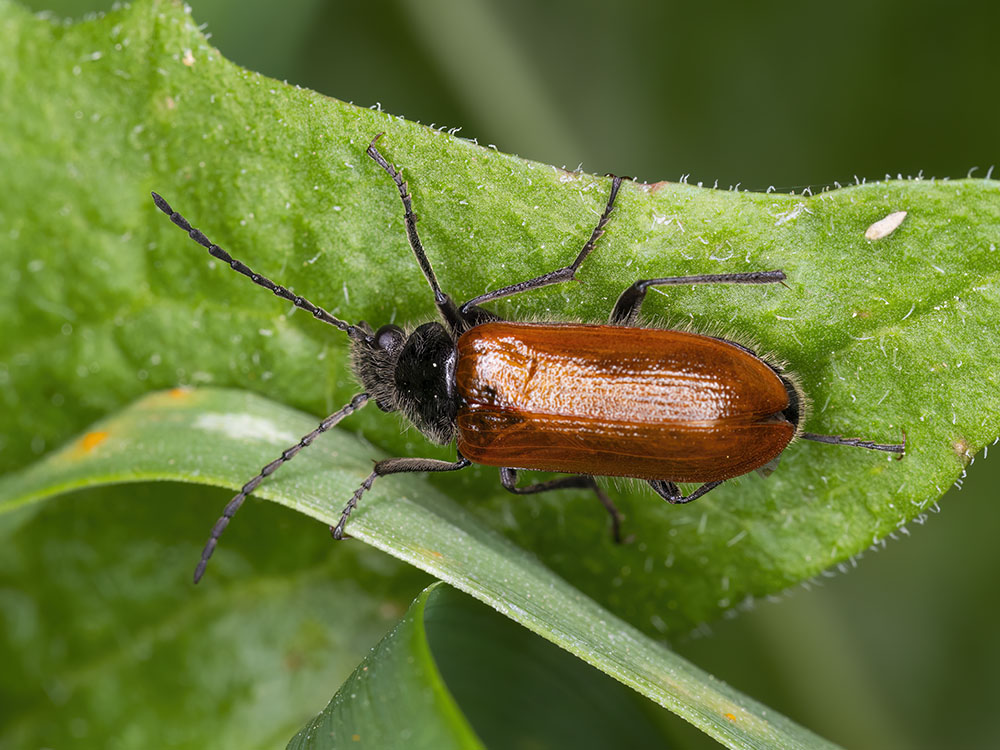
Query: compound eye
column 389, row 337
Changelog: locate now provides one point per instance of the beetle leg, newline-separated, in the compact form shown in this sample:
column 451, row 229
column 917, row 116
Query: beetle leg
column 567, row 273
column 669, row 491
column 508, row 478
column 394, row 466
column 476, row 315
column 627, row 307
column 857, row 442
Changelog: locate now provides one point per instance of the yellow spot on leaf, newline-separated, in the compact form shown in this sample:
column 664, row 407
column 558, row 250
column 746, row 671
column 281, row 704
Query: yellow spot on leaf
column 731, row 717
column 179, row 392
column 356, row 737
column 92, row 439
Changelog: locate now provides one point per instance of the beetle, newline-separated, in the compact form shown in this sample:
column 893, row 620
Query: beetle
column 664, row 406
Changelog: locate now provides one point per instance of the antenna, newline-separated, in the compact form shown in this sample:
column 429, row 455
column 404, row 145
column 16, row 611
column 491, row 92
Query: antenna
column 279, row 291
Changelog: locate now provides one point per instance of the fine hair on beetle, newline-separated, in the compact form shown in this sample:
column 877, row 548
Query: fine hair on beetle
column 661, row 405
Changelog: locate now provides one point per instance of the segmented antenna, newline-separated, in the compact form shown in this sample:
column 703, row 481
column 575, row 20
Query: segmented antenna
column 856, row 442
column 279, row 291
column 409, row 218
column 234, row 505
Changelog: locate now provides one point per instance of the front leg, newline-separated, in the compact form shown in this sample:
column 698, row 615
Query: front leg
column 394, row 466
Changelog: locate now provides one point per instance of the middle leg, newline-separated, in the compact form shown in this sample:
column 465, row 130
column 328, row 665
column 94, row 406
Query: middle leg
column 508, row 478
column 627, row 307
column 565, row 273
column 672, row 494
column 394, row 466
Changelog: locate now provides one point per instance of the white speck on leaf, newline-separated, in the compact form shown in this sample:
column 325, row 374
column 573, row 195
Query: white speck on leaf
column 244, row 427
column 790, row 215
column 885, row 227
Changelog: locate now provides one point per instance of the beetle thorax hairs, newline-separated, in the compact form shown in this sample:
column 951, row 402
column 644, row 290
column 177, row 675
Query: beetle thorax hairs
column 411, row 372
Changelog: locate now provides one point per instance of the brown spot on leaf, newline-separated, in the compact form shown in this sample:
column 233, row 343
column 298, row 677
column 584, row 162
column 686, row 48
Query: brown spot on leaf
column 391, row 610
column 961, row 447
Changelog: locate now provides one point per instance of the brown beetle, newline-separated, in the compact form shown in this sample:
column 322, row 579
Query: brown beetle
column 588, row 400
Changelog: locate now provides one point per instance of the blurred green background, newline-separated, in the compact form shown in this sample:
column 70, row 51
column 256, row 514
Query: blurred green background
column 901, row 652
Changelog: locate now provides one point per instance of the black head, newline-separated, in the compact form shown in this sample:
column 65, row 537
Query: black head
column 413, row 374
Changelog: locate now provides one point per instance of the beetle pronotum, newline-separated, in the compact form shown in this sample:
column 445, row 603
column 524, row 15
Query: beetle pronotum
column 660, row 405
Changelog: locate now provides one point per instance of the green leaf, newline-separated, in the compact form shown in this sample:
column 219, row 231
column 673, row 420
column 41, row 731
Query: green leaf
column 459, row 668
column 109, row 300
column 105, row 644
column 106, row 300
column 205, row 435
column 395, row 698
